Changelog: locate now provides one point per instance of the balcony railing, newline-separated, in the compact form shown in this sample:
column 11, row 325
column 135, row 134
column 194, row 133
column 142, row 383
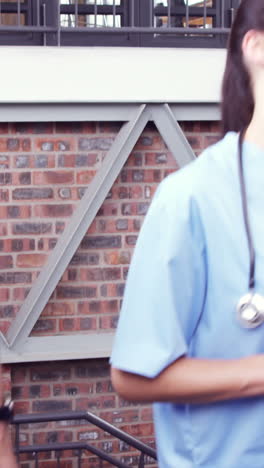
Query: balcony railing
column 148, row 23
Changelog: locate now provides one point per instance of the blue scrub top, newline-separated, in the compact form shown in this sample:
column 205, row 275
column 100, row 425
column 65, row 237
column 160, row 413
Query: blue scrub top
column 189, row 270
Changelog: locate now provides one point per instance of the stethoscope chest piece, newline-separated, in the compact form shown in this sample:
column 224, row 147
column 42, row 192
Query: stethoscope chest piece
column 250, row 310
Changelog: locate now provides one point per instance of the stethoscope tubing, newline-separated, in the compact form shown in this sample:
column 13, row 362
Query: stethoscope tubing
column 251, row 248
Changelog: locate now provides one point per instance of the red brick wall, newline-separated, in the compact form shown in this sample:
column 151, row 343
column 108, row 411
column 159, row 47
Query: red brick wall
column 45, row 169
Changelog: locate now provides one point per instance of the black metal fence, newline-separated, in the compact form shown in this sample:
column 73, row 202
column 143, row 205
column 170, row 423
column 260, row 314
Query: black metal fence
column 149, row 23
column 146, row 453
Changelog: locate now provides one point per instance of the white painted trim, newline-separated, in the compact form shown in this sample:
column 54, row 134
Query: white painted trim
column 110, row 75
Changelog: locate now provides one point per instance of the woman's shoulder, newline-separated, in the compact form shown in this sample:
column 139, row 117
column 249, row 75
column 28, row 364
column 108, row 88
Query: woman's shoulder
column 211, row 167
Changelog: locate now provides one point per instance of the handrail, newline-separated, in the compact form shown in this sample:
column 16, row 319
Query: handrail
column 19, row 419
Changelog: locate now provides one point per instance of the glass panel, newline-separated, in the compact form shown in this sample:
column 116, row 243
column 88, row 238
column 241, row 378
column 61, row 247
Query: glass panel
column 11, row 19
column 91, row 2
column 98, row 20
column 181, row 20
column 175, row 3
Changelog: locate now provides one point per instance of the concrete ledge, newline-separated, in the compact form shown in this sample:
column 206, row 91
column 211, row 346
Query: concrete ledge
column 110, row 75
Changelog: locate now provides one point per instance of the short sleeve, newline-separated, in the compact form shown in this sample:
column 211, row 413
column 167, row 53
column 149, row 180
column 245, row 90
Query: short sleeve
column 165, row 288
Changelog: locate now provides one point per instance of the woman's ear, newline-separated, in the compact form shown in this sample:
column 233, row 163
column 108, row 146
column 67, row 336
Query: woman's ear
column 253, row 48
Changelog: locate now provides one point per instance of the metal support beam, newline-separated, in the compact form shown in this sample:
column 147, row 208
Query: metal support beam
column 87, row 112
column 76, row 229
column 18, row 346
column 172, row 134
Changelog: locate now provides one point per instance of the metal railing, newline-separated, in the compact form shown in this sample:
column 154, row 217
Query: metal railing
column 116, row 22
column 145, row 451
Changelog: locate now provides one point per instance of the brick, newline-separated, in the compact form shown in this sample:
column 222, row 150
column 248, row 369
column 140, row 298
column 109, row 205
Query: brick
column 22, row 161
column 138, row 430
column 45, row 325
column 58, row 309
column 89, row 435
column 5, row 178
column 67, row 324
column 196, row 141
column 51, row 405
column 121, row 416
column 43, row 372
column 4, row 162
column 6, row 261
column 32, row 193
column 121, row 224
column 53, row 177
column 13, row 211
column 77, row 160
column 75, row 127
column 95, row 403
column 90, row 144
column 19, row 294
column 88, row 323
column 105, row 226
column 31, row 228
column 72, row 389
column 15, row 144
column 92, row 368
column 211, row 140
column 21, row 407
column 53, row 210
column 4, row 195
column 112, row 290
column 98, row 307
column 44, row 161
column 131, row 240
column 85, row 259
column 4, row 293
column 108, row 209
column 31, row 260
column 3, row 229
column 60, row 225
column 31, row 128
column 117, row 257
column 100, row 274
column 135, row 159
column 15, row 277
column 85, row 177
column 58, row 144
column 91, row 274
column 108, row 322
column 3, row 128
column 32, row 391
column 75, row 292
column 101, row 242
column 7, row 311
column 65, row 193
column 109, row 127
column 24, row 178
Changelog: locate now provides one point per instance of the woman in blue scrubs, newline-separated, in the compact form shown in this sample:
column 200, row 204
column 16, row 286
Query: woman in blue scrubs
column 191, row 335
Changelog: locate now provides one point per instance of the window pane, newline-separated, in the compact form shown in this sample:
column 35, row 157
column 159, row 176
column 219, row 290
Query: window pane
column 183, row 17
column 175, row 3
column 11, row 19
column 91, row 20
column 91, row 2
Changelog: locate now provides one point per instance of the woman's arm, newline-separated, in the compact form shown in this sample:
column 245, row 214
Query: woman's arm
column 195, row 381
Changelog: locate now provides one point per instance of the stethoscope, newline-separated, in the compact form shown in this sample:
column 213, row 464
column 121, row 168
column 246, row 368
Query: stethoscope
column 250, row 309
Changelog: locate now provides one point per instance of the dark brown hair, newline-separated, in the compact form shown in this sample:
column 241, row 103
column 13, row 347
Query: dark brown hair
column 237, row 96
